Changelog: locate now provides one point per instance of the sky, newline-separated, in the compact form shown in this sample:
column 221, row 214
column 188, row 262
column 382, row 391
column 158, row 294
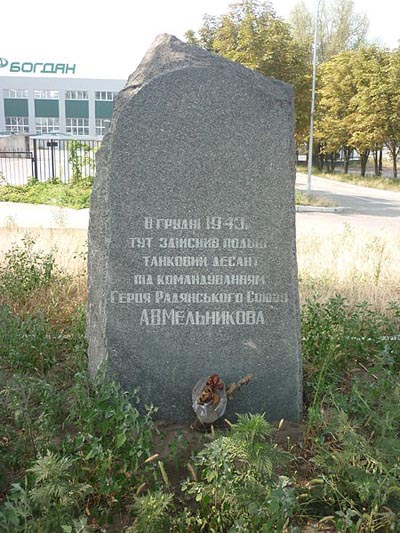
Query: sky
column 108, row 39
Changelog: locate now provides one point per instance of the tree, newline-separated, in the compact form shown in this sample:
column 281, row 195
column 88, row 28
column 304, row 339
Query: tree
column 302, row 24
column 359, row 105
column 340, row 27
column 337, row 88
column 368, row 113
column 252, row 34
column 391, row 106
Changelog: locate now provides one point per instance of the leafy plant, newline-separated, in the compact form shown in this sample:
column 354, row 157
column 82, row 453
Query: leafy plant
column 48, row 501
column 77, row 454
column 112, row 439
column 52, row 483
column 81, row 155
column 16, row 512
column 237, row 489
column 153, row 513
column 25, row 269
column 29, row 344
column 357, row 450
column 335, row 334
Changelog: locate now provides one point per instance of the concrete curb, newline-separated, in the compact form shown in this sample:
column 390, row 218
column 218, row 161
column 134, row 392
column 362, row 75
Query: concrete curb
column 318, row 209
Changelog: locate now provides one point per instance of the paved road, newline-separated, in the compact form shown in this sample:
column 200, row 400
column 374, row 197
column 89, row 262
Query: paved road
column 365, row 208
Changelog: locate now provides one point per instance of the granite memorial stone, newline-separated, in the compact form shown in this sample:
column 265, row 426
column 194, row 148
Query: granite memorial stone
column 192, row 261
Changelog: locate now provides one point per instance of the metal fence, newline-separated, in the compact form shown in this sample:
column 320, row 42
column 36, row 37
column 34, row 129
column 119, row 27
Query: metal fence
column 49, row 159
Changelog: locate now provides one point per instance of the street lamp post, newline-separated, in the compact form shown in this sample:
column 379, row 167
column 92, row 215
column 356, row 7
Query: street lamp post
column 310, row 146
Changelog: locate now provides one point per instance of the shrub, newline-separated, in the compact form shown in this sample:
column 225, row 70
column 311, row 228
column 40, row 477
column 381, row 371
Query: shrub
column 238, row 488
column 25, row 269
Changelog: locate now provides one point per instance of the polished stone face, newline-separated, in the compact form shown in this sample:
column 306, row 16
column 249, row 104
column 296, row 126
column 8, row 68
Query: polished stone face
column 192, row 262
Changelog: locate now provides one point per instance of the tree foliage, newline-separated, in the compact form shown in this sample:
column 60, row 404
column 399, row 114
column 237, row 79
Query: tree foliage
column 336, row 89
column 359, row 103
column 358, row 85
column 340, row 27
column 252, row 34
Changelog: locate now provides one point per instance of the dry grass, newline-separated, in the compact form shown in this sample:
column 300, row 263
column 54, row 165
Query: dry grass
column 70, row 245
column 359, row 266
column 58, row 301
column 61, row 298
column 303, row 198
column 374, row 182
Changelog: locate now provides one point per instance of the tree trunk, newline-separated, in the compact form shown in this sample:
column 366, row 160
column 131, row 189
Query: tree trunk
column 394, row 152
column 376, row 162
column 333, row 161
column 327, row 166
column 364, row 160
column 346, row 159
column 320, row 157
column 321, row 161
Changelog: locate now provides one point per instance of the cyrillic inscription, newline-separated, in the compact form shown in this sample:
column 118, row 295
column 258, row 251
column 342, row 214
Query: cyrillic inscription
column 150, row 286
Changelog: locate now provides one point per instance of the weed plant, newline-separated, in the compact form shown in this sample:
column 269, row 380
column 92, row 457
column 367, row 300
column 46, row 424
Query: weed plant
column 71, row 448
column 77, row 455
column 352, row 365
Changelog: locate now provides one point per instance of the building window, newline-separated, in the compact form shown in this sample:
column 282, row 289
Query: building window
column 102, row 125
column 45, row 94
column 15, row 93
column 78, row 126
column 17, row 124
column 105, row 95
column 76, row 95
column 47, row 125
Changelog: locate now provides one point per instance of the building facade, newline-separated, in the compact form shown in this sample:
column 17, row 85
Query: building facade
column 42, row 105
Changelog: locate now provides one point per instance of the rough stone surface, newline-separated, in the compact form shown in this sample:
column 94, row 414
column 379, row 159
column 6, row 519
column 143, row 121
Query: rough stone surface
column 192, row 262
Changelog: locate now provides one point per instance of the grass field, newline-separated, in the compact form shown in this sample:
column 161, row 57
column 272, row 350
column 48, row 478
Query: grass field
column 76, row 456
column 358, row 265
column 374, row 182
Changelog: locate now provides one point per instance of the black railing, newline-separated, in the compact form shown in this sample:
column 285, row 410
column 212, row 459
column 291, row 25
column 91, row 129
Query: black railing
column 49, row 159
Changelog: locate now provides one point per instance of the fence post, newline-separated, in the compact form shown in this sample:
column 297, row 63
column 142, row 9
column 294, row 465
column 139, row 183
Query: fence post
column 34, row 161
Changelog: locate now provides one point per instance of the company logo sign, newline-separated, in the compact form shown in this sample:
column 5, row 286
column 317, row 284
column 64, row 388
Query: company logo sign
column 29, row 67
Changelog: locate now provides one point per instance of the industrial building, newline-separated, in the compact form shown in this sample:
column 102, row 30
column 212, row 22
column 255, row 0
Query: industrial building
column 45, row 105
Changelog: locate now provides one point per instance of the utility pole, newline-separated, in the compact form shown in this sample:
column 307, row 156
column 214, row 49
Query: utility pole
column 310, row 145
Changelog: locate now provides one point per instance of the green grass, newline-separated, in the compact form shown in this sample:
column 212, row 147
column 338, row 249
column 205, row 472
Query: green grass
column 76, row 195
column 374, row 182
column 77, row 456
